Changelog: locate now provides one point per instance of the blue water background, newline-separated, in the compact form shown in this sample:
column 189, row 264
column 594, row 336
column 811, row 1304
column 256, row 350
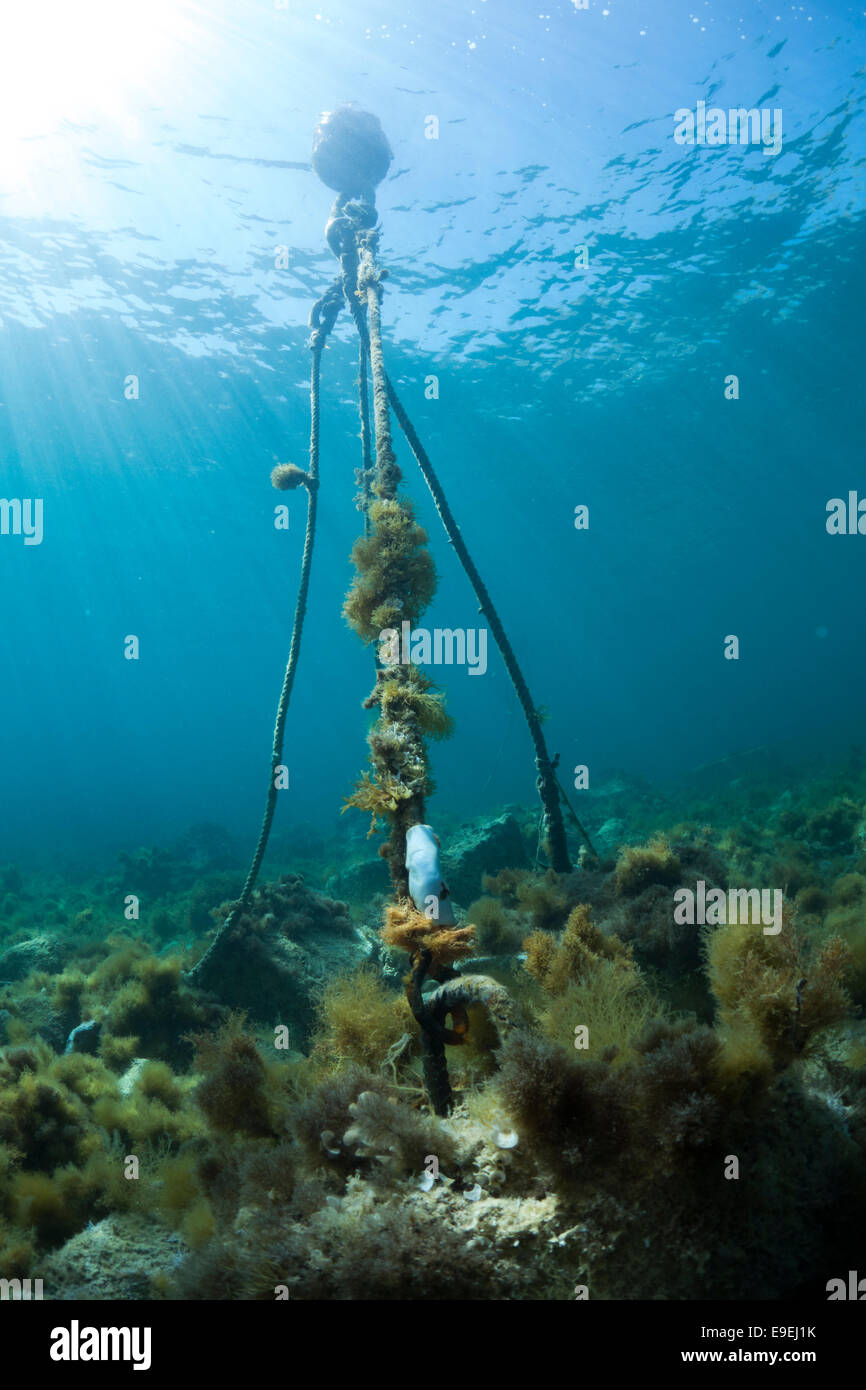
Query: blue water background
column 144, row 242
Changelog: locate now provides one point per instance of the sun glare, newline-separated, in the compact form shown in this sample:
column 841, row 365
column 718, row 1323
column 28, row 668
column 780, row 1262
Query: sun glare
column 81, row 60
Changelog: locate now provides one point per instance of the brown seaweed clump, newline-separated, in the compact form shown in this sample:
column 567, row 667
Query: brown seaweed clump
column 287, row 476
column 233, row 1092
column 407, row 929
column 776, row 993
column 395, row 576
column 640, row 865
column 557, row 963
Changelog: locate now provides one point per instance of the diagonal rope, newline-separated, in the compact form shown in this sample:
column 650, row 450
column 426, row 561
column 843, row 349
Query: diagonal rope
column 547, row 783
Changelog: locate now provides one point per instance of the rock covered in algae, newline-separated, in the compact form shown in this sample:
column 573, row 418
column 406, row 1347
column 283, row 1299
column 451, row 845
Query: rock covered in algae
column 280, row 950
column 358, row 883
column 39, row 953
column 484, row 847
column 120, row 1257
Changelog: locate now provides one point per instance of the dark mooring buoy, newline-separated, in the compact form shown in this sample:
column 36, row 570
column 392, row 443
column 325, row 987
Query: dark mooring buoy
column 350, row 151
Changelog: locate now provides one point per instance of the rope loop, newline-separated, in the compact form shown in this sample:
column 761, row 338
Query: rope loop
column 324, row 313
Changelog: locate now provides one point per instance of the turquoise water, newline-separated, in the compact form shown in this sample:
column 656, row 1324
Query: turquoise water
column 153, row 167
column 624, row 310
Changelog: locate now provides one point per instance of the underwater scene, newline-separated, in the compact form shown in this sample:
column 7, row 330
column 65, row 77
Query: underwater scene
column 432, row 547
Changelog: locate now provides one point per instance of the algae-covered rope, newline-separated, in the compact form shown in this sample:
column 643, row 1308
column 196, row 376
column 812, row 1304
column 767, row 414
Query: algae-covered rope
column 348, row 249
column 411, row 809
column 322, row 318
column 366, row 471
column 352, row 237
column 434, row 1035
column 547, row 783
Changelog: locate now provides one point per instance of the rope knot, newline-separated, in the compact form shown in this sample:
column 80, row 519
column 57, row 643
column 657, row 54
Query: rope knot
column 368, row 276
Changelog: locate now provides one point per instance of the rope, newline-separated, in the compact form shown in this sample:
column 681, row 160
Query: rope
column 434, row 1035
column 322, row 318
column 348, row 254
column 356, row 259
column 385, row 481
column 351, row 236
column 548, row 788
column 369, row 284
column 574, row 817
column 365, row 476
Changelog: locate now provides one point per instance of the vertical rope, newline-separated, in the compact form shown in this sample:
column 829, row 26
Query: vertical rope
column 387, row 475
column 366, row 471
column 434, row 1063
column 348, row 219
column 411, row 809
column 322, row 320
column 360, row 259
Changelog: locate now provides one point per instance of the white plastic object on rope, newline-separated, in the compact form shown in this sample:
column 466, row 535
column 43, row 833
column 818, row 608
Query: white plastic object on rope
column 426, row 887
